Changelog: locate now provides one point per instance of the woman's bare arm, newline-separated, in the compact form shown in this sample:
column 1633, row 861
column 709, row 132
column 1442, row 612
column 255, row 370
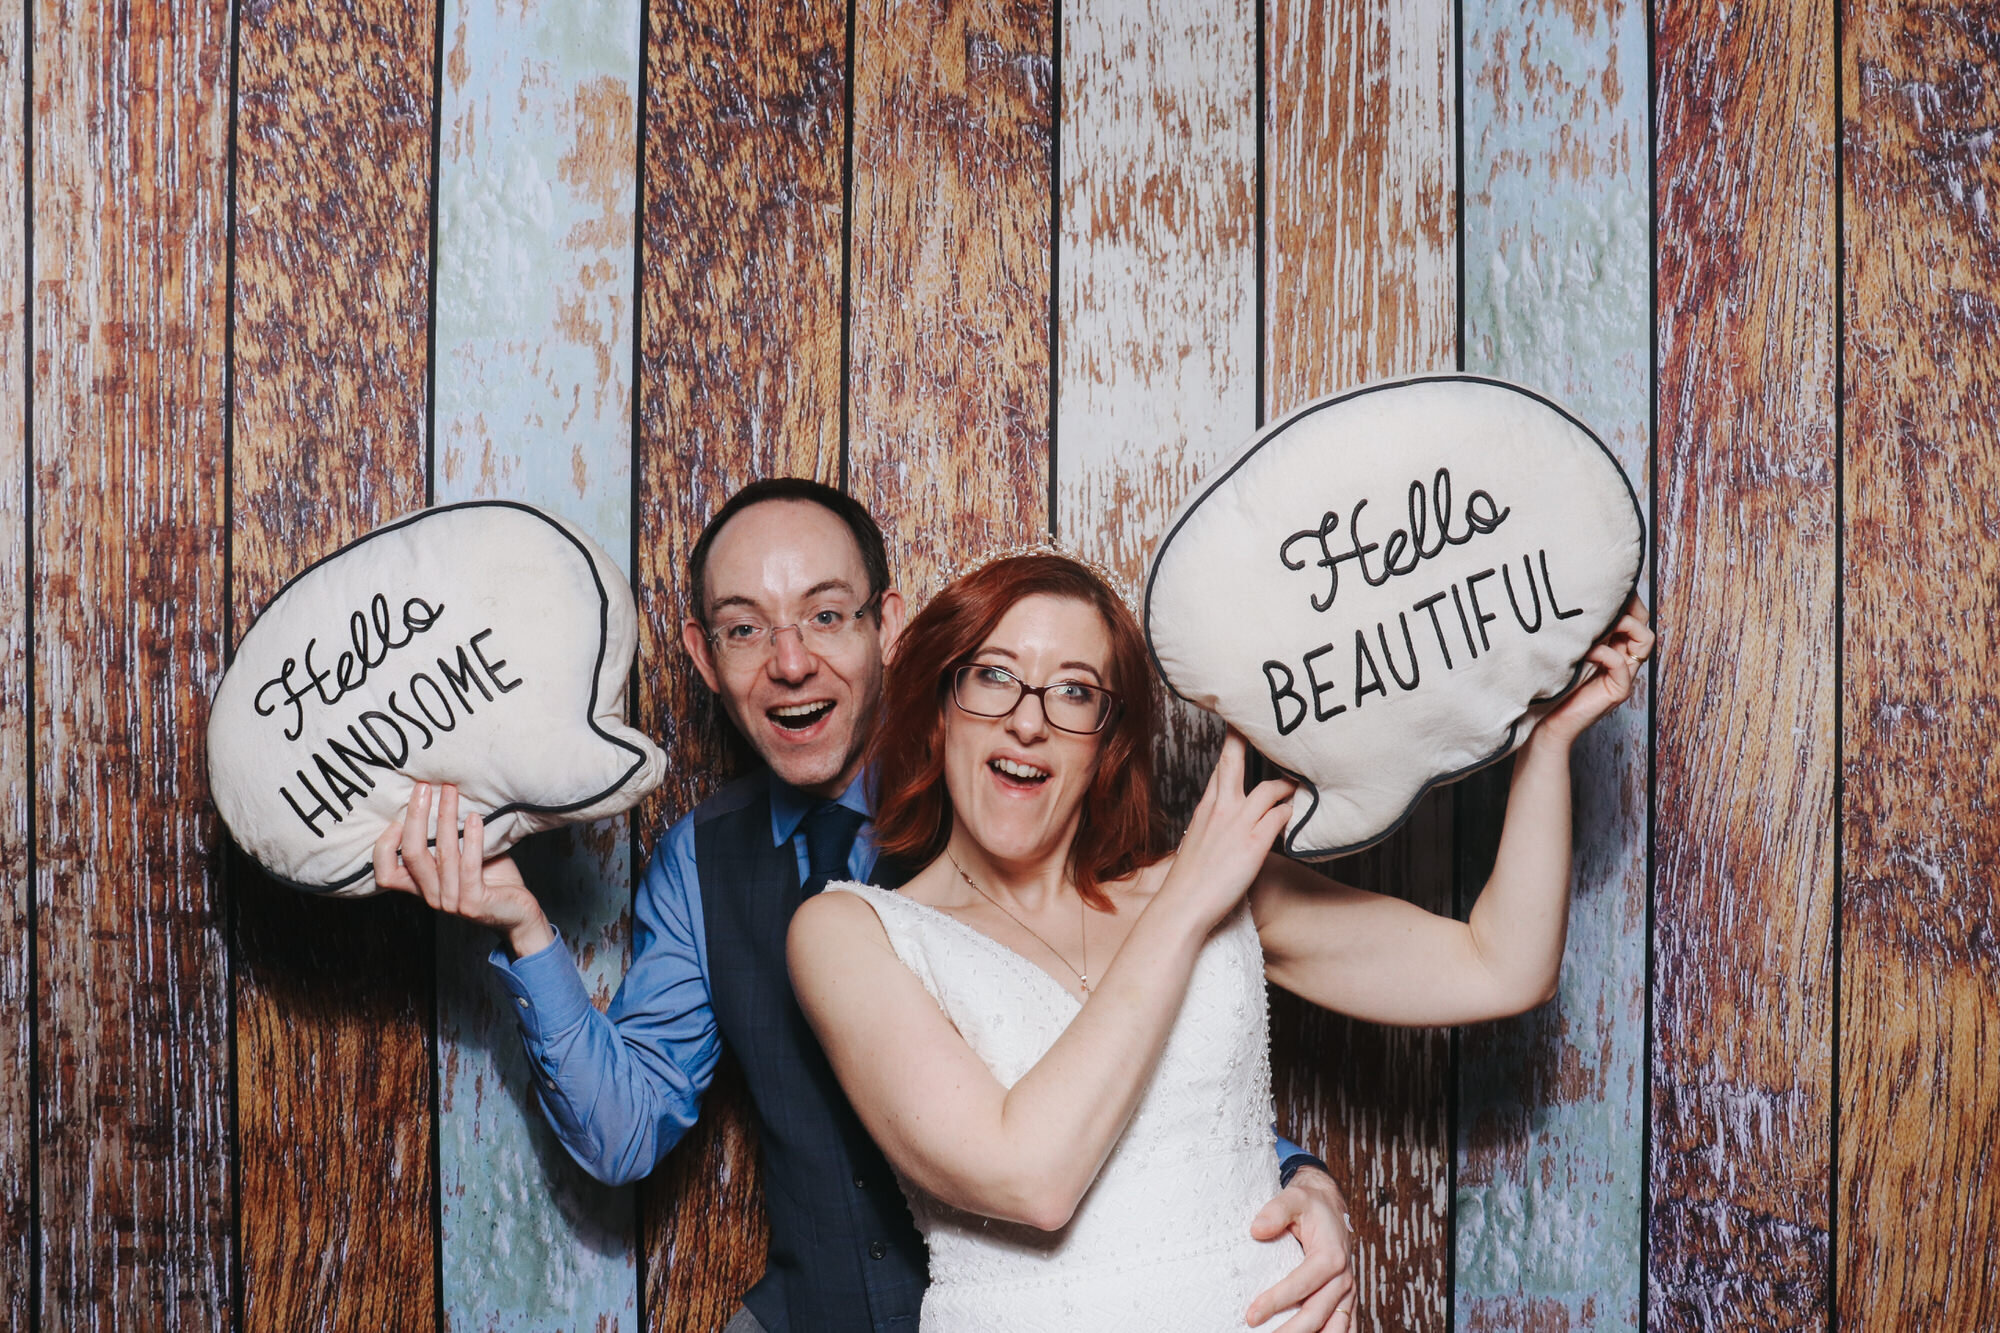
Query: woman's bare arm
column 1388, row 961
column 1025, row 1153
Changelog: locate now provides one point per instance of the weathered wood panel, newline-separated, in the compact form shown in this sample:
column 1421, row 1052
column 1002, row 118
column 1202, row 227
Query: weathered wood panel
column 1360, row 283
column 17, row 990
column 949, row 336
column 334, row 1089
column 537, row 176
column 739, row 378
column 1157, row 266
column 1744, row 710
column 1557, row 236
column 130, row 229
column 1918, row 1214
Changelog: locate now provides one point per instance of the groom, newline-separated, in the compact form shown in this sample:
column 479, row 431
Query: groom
column 793, row 617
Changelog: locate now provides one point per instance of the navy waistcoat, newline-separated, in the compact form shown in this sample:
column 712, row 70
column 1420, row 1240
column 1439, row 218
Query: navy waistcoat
column 845, row 1256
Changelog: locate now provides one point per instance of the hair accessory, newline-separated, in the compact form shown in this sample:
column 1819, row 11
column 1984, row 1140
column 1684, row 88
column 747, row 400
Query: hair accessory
column 1120, row 586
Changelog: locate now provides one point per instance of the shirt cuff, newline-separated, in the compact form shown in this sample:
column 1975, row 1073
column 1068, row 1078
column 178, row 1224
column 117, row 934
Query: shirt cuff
column 546, row 989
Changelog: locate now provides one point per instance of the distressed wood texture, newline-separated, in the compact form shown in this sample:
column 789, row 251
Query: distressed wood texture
column 1744, row 704
column 1557, row 235
column 131, row 122
column 332, row 293
column 538, row 171
column 740, row 337
column 1919, row 1216
column 949, row 336
column 1360, row 283
column 17, row 991
column 1157, row 369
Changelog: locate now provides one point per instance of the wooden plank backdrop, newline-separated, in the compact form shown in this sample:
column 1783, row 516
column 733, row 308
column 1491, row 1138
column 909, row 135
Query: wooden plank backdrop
column 1360, row 182
column 1746, row 529
column 1919, row 1094
column 17, row 986
column 949, row 375
column 277, row 273
column 1157, row 266
column 1555, row 290
column 537, row 176
column 740, row 377
column 132, row 1014
column 331, row 302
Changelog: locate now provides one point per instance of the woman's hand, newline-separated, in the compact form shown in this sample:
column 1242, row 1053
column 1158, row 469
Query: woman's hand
column 1231, row 833
column 1617, row 656
column 454, row 880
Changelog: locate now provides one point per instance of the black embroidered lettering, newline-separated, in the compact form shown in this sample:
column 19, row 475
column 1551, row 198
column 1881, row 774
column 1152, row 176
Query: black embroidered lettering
column 368, row 720
column 1464, row 625
column 1507, row 577
column 1430, row 604
column 1382, row 634
column 1480, row 615
column 448, row 722
column 493, row 668
column 1280, row 693
column 1553, row 606
column 397, row 709
column 460, row 678
column 319, row 806
column 1365, row 659
column 1321, row 688
column 357, row 759
column 339, row 784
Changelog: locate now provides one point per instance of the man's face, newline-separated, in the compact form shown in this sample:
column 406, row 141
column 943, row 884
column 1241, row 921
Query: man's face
column 805, row 699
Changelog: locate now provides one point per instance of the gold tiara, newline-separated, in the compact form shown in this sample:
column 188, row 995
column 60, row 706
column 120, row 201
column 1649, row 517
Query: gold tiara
column 1121, row 588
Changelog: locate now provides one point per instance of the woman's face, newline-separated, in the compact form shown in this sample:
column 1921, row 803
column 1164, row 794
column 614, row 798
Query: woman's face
column 1017, row 784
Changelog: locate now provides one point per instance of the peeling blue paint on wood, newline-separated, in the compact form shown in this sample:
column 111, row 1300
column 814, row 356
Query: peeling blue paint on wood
column 1557, row 228
column 537, row 180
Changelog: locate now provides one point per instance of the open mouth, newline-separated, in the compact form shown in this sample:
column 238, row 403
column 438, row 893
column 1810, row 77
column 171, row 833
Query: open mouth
column 797, row 717
column 1015, row 773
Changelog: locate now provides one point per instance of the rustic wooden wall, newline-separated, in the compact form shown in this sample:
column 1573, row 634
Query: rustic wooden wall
column 272, row 273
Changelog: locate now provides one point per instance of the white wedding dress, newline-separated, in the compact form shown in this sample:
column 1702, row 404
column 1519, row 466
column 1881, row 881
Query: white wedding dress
column 1161, row 1242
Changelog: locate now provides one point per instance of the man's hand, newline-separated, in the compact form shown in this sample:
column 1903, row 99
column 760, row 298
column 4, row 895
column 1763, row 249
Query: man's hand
column 1312, row 1209
column 452, row 879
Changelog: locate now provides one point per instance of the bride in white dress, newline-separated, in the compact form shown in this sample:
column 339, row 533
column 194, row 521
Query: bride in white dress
column 1056, row 1031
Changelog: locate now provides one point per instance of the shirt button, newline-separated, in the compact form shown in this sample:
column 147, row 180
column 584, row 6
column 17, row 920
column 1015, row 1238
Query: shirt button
column 522, row 1001
column 860, row 1183
column 877, row 1250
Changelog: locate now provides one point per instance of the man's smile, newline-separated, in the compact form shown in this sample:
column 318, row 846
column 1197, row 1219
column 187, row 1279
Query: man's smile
column 799, row 716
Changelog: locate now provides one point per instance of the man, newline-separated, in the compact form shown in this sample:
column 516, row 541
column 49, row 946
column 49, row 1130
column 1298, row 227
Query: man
column 793, row 618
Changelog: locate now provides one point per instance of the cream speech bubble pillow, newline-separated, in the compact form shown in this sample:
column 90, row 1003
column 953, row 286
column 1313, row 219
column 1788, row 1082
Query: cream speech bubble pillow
column 1386, row 590
column 485, row 644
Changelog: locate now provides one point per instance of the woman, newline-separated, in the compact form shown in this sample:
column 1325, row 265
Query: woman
column 1057, row 1033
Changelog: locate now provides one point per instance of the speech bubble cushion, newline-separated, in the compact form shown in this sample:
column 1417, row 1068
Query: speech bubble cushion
column 1387, row 589
column 485, row 644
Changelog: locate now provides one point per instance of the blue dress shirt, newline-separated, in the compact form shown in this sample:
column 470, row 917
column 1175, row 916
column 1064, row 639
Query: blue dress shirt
column 620, row 1088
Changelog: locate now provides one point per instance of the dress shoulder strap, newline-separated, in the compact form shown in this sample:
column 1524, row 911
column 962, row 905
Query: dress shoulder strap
column 904, row 922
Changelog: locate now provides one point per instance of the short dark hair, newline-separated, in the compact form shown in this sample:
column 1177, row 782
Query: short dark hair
column 867, row 536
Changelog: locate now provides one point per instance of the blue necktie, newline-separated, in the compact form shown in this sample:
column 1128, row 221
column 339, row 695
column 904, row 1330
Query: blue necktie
column 830, row 829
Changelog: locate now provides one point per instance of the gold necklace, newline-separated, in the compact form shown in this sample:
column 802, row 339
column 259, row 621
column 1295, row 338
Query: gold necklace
column 1083, row 936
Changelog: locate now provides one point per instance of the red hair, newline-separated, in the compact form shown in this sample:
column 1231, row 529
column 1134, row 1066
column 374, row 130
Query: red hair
column 1119, row 831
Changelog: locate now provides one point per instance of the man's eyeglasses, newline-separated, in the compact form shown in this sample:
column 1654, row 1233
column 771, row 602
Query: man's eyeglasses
column 828, row 628
column 984, row 690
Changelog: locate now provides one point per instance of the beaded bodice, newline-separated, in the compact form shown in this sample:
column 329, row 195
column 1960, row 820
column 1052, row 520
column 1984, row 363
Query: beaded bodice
column 1162, row 1239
